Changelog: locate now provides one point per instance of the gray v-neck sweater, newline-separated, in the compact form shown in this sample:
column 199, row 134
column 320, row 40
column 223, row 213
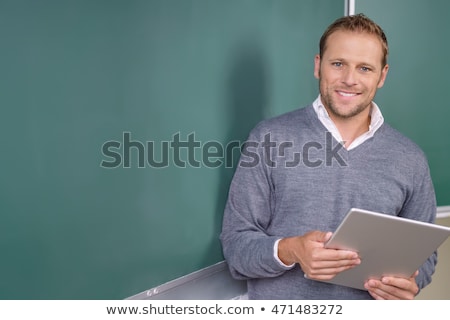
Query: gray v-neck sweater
column 293, row 177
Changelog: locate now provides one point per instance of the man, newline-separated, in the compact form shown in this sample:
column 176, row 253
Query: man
column 301, row 172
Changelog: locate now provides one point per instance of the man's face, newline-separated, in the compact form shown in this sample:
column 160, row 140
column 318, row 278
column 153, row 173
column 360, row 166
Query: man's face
column 349, row 73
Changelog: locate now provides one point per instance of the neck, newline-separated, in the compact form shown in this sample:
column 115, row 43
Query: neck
column 352, row 128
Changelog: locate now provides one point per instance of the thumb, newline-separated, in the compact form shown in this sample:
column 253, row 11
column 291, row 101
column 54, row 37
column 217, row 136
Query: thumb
column 321, row 236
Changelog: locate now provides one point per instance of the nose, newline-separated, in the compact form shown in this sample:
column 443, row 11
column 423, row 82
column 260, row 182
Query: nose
column 349, row 77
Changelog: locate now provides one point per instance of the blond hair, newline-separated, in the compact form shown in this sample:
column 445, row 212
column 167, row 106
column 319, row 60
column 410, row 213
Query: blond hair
column 356, row 23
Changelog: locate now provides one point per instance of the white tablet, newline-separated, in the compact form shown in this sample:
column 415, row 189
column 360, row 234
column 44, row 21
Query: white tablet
column 387, row 245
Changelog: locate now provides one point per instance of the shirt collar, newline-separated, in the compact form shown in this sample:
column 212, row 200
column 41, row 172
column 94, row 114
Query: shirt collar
column 376, row 121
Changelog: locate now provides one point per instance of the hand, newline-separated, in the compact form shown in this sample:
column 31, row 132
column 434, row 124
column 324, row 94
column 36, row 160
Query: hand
column 316, row 261
column 393, row 288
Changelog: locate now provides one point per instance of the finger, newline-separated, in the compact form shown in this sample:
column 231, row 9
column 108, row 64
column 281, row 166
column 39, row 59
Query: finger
column 391, row 288
column 329, row 259
column 328, row 236
column 400, row 287
column 326, row 273
column 329, row 264
column 375, row 295
column 372, row 291
column 378, row 290
column 336, row 255
column 319, row 236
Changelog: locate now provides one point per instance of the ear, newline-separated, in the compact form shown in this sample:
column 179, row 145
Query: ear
column 384, row 73
column 317, row 66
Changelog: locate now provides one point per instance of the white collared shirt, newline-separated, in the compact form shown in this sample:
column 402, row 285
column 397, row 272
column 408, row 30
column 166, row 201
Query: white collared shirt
column 376, row 120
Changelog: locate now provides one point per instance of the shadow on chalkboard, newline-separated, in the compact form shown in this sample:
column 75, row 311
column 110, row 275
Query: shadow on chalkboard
column 247, row 103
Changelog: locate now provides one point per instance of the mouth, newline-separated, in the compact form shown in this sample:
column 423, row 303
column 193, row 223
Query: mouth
column 347, row 94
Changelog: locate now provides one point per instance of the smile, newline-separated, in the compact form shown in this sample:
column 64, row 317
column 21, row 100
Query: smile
column 347, row 94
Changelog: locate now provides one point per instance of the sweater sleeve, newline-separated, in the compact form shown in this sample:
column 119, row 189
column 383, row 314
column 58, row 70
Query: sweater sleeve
column 247, row 247
column 421, row 205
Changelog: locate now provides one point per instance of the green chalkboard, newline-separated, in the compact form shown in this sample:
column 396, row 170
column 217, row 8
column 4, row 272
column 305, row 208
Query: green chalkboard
column 414, row 96
column 93, row 89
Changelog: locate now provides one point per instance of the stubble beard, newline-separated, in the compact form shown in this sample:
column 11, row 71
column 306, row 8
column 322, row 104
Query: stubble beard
column 343, row 113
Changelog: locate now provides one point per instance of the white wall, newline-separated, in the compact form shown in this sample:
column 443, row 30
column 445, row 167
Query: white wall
column 439, row 289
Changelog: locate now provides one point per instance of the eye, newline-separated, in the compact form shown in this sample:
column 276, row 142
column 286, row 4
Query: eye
column 365, row 69
column 337, row 64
